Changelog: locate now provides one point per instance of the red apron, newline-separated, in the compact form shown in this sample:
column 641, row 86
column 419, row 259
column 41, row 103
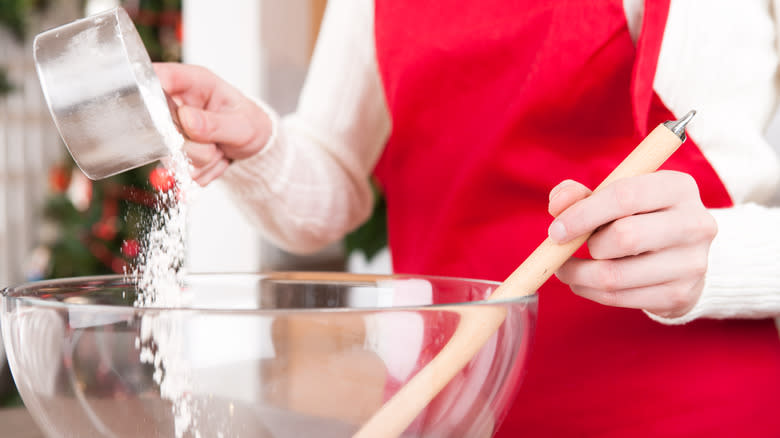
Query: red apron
column 493, row 103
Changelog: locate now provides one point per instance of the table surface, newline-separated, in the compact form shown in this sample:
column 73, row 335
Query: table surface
column 17, row 423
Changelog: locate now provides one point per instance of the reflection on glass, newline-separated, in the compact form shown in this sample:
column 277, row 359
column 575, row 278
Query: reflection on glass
column 281, row 355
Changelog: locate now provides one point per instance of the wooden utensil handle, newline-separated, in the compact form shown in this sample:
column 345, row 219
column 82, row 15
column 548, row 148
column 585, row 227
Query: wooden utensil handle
column 647, row 157
column 475, row 328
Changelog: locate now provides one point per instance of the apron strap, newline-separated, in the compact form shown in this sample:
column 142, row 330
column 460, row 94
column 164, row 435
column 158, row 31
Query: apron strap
column 648, row 47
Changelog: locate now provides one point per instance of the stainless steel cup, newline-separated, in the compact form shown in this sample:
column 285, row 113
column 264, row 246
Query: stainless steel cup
column 103, row 94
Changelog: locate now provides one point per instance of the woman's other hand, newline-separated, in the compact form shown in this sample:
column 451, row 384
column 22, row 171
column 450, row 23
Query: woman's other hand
column 651, row 244
column 222, row 124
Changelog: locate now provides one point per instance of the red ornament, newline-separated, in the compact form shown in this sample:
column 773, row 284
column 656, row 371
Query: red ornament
column 161, row 179
column 131, row 248
column 59, row 179
column 179, row 31
column 110, row 208
column 118, row 265
column 105, row 229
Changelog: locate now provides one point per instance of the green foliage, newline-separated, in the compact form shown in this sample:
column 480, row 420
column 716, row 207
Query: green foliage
column 13, row 17
column 158, row 24
column 370, row 237
column 90, row 241
column 5, row 84
column 10, row 398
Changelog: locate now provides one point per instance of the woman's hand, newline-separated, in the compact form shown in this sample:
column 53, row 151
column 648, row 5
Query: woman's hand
column 223, row 124
column 651, row 244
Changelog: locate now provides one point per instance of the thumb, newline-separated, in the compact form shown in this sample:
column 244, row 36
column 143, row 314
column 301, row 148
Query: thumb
column 224, row 128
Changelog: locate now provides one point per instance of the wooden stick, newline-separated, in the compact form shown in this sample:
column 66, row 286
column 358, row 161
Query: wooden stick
column 319, row 277
column 476, row 328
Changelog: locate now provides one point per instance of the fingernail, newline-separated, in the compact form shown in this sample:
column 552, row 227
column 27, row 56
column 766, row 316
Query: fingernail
column 557, row 231
column 191, row 119
column 557, row 189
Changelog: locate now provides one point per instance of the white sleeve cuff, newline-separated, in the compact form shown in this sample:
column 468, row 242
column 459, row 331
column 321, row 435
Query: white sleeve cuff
column 743, row 274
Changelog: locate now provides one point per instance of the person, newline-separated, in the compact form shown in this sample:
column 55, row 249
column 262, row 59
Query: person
column 469, row 114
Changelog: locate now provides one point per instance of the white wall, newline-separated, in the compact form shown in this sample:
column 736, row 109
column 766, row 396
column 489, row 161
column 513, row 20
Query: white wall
column 227, row 41
column 263, row 48
column 260, row 48
column 773, row 135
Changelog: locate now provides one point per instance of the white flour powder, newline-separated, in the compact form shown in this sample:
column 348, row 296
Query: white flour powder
column 160, row 277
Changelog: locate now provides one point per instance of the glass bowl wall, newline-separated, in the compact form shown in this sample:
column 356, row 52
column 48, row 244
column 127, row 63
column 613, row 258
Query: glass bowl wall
column 277, row 355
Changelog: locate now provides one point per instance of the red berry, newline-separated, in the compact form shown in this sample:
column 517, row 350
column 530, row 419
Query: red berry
column 118, row 265
column 131, row 248
column 179, row 30
column 161, row 179
column 105, row 229
column 58, row 179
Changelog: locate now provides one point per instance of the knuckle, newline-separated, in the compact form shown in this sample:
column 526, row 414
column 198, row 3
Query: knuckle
column 625, row 198
column 209, row 127
column 214, row 151
column 608, row 298
column 573, row 218
column 252, row 132
column 699, row 225
column 577, row 290
column 598, row 249
column 626, row 238
column 679, row 296
column 699, row 266
column 214, row 161
column 708, row 226
column 687, row 186
column 608, row 276
column 687, row 182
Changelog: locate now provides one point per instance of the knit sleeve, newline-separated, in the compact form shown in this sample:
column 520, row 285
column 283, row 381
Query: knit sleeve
column 743, row 275
column 309, row 185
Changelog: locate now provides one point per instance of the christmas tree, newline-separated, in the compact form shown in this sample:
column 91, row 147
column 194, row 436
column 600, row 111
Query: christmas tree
column 94, row 227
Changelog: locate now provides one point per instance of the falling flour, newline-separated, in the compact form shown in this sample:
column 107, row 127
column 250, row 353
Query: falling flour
column 160, row 279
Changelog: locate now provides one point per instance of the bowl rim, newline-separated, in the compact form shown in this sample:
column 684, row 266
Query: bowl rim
column 15, row 293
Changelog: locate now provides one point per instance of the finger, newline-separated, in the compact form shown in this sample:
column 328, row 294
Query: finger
column 213, row 173
column 667, row 300
column 564, row 195
column 201, row 154
column 200, row 171
column 225, row 128
column 639, row 194
column 642, row 233
column 190, row 84
column 638, row 271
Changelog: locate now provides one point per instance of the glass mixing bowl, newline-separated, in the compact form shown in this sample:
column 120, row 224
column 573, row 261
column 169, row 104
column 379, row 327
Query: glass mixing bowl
column 276, row 355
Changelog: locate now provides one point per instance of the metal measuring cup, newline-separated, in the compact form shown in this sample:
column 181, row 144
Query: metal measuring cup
column 103, row 94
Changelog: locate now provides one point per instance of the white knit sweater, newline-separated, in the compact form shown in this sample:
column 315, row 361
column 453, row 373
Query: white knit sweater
column 309, row 185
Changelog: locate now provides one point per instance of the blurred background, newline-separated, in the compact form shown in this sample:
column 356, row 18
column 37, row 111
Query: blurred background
column 54, row 222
